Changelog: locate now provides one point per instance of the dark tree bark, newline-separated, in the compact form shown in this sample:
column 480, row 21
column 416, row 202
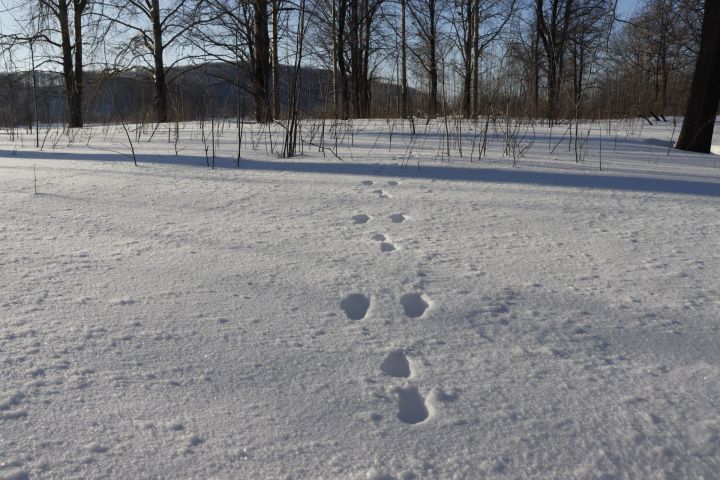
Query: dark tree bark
column 432, row 61
column 355, row 59
column 403, row 61
column 71, row 51
column 699, row 123
column 365, row 76
column 261, row 62
column 275, row 58
column 469, row 15
column 76, row 116
column 554, row 33
column 535, row 60
column 160, row 104
column 340, row 58
column 476, row 60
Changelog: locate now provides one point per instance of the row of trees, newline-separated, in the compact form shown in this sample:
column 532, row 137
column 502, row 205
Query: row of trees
column 547, row 59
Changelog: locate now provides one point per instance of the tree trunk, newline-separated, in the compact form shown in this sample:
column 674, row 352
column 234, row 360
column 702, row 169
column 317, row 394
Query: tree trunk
column 73, row 96
column 340, row 56
column 333, row 31
column 476, row 60
column 275, row 59
column 697, row 130
column 433, row 70
column 78, row 8
column 468, row 60
column 261, row 63
column 366, row 93
column 536, row 68
column 403, row 62
column 355, row 58
column 160, row 96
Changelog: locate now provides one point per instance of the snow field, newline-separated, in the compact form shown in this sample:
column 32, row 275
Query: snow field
column 312, row 318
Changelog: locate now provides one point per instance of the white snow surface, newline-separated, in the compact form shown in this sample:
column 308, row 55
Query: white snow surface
column 356, row 318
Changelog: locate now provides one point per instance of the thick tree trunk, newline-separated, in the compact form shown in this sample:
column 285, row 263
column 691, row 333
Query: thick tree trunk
column 275, row 59
column 536, row 68
column 403, row 61
column 355, row 56
column 340, row 57
column 366, row 81
column 476, row 60
column 333, row 32
column 432, row 67
column 74, row 97
column 468, row 60
column 160, row 104
column 261, row 63
column 78, row 8
column 699, row 123
column 554, row 34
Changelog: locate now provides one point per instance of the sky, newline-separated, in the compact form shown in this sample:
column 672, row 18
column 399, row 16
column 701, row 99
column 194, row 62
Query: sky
column 625, row 8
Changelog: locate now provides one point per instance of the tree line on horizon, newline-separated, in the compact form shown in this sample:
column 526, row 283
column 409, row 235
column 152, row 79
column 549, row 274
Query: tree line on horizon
column 547, row 60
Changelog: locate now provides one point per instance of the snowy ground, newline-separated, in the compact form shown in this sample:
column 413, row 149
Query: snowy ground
column 318, row 318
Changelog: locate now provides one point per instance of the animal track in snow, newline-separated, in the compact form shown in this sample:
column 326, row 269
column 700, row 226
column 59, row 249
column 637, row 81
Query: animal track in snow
column 382, row 194
column 411, row 406
column 355, row 306
column 396, row 364
column 415, row 304
column 360, row 218
column 398, row 217
column 385, row 244
column 387, row 247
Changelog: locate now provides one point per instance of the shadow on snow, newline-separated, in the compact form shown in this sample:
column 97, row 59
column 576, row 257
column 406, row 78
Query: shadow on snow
column 588, row 180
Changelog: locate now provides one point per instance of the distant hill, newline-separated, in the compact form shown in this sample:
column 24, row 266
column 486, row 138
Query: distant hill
column 195, row 91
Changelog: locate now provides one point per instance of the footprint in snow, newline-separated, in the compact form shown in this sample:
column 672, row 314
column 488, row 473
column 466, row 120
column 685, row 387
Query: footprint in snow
column 411, row 406
column 396, row 364
column 393, row 183
column 355, row 306
column 387, row 247
column 382, row 194
column 360, row 218
column 398, row 217
column 385, row 244
column 415, row 304
column 367, row 183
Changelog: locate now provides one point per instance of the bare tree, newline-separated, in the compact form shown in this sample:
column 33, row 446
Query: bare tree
column 553, row 29
column 426, row 17
column 63, row 19
column 154, row 30
column 236, row 32
column 476, row 25
column 589, row 32
column 655, row 48
column 697, row 130
column 261, row 66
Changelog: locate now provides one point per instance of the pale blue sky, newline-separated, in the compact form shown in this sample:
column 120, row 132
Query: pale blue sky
column 625, row 8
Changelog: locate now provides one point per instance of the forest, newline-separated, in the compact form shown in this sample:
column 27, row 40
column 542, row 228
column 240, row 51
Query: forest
column 77, row 61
